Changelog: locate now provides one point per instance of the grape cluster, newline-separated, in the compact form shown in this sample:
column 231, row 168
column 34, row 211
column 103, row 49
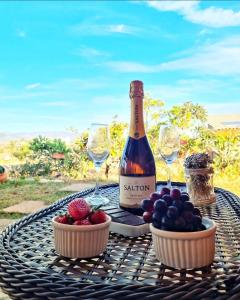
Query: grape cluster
column 172, row 210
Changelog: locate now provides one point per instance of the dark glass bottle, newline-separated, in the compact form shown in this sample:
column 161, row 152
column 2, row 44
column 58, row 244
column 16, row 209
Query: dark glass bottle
column 137, row 167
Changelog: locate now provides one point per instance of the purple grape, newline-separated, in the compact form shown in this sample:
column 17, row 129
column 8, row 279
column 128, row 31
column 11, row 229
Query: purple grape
column 197, row 212
column 188, row 206
column 175, row 194
column 157, row 219
column 167, row 198
column 202, row 227
column 156, row 216
column 155, row 196
column 189, row 227
column 179, row 205
column 184, row 197
column 157, row 224
column 188, row 216
column 167, row 223
column 147, row 205
column 197, row 221
column 147, row 217
column 160, row 206
column 180, row 223
column 172, row 212
column 165, row 191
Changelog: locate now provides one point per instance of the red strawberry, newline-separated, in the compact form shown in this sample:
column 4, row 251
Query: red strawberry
column 97, row 217
column 78, row 209
column 82, row 222
column 62, row 219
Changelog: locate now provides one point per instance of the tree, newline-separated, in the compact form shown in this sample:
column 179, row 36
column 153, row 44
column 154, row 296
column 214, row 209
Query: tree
column 118, row 137
column 187, row 115
column 153, row 110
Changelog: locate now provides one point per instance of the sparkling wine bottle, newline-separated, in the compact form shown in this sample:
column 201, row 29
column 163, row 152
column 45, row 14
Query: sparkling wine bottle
column 137, row 167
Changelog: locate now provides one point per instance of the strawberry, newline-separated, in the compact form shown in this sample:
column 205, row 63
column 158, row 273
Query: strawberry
column 78, row 209
column 62, row 219
column 98, row 216
column 82, row 222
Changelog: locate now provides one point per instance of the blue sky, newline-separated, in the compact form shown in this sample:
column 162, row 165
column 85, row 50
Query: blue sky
column 67, row 64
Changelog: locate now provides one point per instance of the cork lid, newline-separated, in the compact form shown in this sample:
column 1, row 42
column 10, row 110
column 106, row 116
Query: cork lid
column 136, row 88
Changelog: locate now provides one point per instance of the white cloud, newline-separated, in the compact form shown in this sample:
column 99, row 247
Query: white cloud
column 177, row 5
column 191, row 11
column 92, row 28
column 204, row 32
column 32, row 86
column 76, row 84
column 219, row 58
column 21, row 33
column 56, row 104
column 61, row 90
column 110, row 100
column 132, row 67
column 217, row 96
column 121, row 28
column 89, row 52
column 53, row 118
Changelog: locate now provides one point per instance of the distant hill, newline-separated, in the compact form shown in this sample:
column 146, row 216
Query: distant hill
column 64, row 135
column 216, row 121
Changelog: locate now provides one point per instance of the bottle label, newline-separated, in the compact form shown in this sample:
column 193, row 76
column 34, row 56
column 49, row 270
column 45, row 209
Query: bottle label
column 137, row 125
column 134, row 189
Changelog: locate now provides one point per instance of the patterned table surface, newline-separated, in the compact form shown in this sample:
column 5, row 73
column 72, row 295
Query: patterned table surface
column 31, row 269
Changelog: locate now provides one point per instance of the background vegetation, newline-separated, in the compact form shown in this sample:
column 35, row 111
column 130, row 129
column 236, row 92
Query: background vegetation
column 36, row 158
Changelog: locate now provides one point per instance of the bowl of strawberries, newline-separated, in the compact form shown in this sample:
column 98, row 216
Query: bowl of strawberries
column 82, row 231
column 182, row 237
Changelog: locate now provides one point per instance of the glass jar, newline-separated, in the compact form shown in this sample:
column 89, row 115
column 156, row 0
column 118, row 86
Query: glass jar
column 200, row 187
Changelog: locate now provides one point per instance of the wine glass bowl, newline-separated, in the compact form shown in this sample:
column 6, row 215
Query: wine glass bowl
column 98, row 150
column 169, row 144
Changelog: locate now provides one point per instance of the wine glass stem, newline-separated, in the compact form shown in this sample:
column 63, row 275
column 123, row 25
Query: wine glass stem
column 169, row 184
column 97, row 191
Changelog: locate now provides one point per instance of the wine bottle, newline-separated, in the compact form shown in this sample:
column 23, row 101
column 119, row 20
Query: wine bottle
column 137, row 166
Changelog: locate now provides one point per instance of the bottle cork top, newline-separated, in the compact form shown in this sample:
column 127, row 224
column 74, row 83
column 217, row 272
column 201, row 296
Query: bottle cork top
column 136, row 88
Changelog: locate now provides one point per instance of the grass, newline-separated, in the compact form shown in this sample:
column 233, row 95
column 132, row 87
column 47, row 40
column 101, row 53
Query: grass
column 16, row 191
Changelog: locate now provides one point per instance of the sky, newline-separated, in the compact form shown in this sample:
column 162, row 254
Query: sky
column 69, row 63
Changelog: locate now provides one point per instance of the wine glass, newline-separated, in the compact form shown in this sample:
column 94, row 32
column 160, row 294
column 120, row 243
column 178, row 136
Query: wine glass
column 169, row 144
column 98, row 149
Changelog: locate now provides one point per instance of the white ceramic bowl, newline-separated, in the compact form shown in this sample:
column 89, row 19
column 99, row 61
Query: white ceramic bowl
column 185, row 250
column 80, row 240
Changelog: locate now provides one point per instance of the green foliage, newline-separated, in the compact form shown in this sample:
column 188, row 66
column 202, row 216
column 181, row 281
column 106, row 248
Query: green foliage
column 21, row 150
column 77, row 162
column 153, row 110
column 41, row 145
column 58, row 146
column 45, row 146
column 39, row 161
column 195, row 137
column 226, row 146
column 32, row 169
column 118, row 135
column 187, row 115
column 14, row 152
